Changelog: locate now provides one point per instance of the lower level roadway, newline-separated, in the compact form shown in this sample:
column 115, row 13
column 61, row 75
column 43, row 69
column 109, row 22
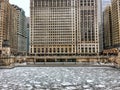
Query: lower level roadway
column 60, row 78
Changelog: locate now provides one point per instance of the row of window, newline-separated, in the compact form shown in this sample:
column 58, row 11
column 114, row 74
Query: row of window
column 63, row 50
column 46, row 50
column 88, row 50
column 61, row 3
column 52, row 3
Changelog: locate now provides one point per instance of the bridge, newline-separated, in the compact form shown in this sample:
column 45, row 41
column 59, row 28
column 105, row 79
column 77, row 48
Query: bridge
column 60, row 60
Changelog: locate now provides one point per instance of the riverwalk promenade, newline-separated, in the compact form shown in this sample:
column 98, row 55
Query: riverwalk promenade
column 59, row 61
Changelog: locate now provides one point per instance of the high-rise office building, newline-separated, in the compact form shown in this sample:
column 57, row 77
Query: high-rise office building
column 8, row 24
column 65, row 27
column 88, row 28
column 28, row 32
column 107, row 26
column 21, row 30
column 112, row 28
column 13, row 28
column 115, row 23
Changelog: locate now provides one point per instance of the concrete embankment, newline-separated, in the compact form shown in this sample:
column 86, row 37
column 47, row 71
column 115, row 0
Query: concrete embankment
column 63, row 64
column 7, row 67
column 32, row 65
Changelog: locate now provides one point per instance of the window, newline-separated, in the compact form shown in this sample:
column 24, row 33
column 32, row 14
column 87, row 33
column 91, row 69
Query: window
column 93, row 49
column 43, row 50
column 85, row 49
column 50, row 49
column 61, row 49
column 65, row 49
column 38, row 50
column 53, row 49
column 34, row 50
column 58, row 50
column 82, row 50
column 69, row 49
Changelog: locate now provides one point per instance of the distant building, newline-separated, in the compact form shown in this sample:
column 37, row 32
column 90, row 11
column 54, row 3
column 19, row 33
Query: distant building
column 21, row 30
column 107, row 27
column 112, row 28
column 65, row 27
column 8, row 24
column 105, row 3
column 116, row 23
column 28, row 32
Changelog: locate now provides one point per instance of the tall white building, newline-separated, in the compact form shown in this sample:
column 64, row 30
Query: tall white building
column 65, row 27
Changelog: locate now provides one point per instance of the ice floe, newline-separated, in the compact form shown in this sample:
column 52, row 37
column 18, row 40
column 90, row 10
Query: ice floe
column 60, row 78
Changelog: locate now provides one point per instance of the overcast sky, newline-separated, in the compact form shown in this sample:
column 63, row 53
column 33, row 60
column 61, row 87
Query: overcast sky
column 25, row 4
column 105, row 3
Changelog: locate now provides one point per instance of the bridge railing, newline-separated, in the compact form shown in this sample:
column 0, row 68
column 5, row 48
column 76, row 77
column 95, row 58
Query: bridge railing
column 60, row 63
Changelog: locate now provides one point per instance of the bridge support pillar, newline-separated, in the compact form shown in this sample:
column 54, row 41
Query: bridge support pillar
column 34, row 60
column 66, row 60
column 45, row 60
column 55, row 59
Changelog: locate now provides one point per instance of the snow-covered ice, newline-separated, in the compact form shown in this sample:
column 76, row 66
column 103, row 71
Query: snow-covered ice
column 60, row 78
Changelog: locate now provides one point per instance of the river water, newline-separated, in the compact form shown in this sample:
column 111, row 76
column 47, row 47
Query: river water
column 60, row 78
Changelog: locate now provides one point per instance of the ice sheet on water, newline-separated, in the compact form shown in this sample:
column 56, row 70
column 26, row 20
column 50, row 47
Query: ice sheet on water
column 71, row 88
column 66, row 84
column 86, row 86
column 5, row 86
column 90, row 81
column 63, row 78
column 100, row 86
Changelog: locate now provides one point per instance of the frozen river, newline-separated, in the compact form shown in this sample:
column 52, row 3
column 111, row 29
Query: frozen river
column 60, row 78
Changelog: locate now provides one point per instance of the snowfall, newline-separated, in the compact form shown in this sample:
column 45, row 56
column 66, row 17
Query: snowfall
column 60, row 78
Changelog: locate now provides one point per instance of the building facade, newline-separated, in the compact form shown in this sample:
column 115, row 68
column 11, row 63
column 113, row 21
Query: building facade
column 8, row 24
column 88, row 27
column 21, row 30
column 112, row 28
column 107, row 27
column 28, row 32
column 116, row 23
column 13, row 29
column 64, row 27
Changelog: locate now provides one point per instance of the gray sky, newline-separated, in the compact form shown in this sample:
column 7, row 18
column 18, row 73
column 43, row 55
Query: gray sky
column 105, row 3
column 24, row 4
